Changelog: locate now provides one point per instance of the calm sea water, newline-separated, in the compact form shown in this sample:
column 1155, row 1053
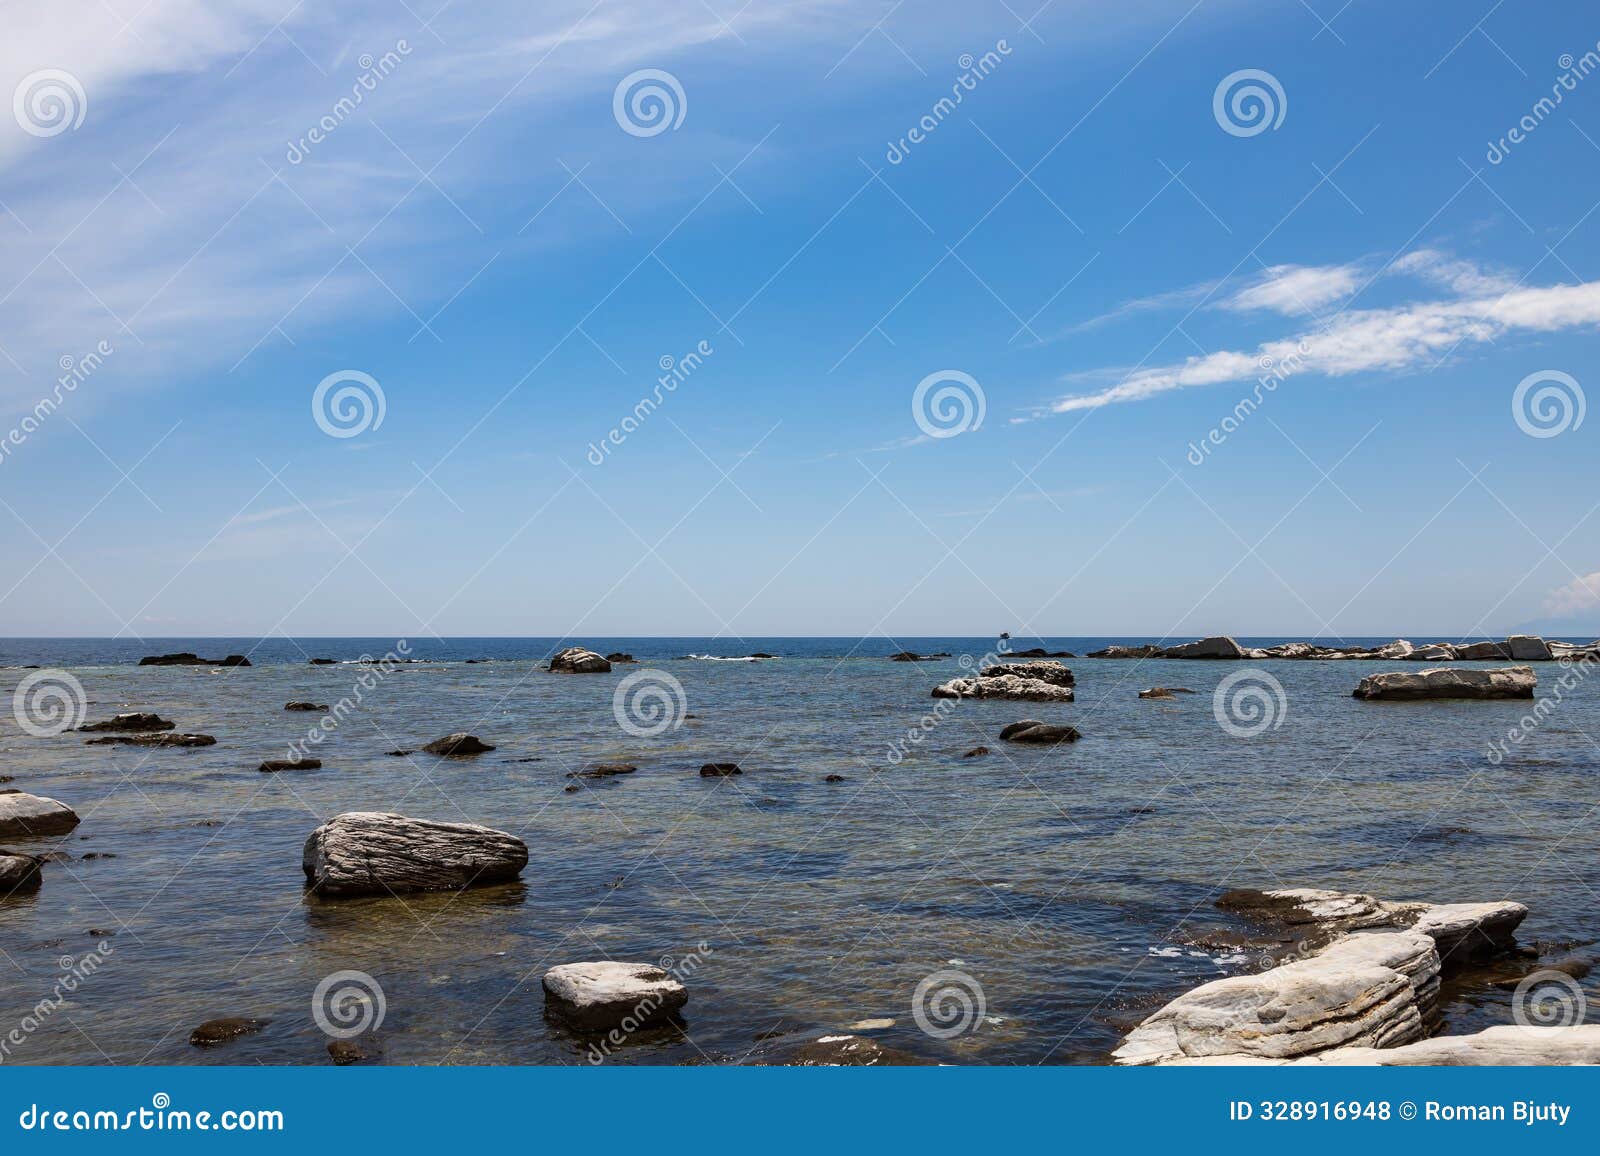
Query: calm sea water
column 1059, row 879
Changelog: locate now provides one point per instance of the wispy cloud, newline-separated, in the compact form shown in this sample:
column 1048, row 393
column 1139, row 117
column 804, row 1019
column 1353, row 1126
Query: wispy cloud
column 1579, row 595
column 1397, row 338
column 1297, row 289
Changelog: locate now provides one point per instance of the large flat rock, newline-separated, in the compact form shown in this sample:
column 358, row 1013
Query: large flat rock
column 23, row 814
column 609, row 994
column 1449, row 682
column 373, row 853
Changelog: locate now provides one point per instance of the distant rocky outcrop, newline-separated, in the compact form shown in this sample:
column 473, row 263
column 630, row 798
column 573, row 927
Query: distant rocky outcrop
column 1518, row 648
column 913, row 656
column 187, row 659
column 577, row 660
column 1449, row 682
column 371, row 853
column 458, row 745
column 132, row 721
column 1165, row 692
column 1041, row 681
column 22, row 814
column 620, row 657
column 310, row 706
column 155, row 739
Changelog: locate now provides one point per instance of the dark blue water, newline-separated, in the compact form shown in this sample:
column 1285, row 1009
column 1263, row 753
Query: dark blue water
column 1063, row 881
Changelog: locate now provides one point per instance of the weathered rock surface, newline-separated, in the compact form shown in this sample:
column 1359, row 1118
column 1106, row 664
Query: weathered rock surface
column 131, row 721
column 603, row 771
column 19, row 873
column 155, row 739
column 1040, row 671
column 1510, row 1045
column 609, row 994
column 305, row 706
column 719, row 770
column 577, row 660
column 1146, row 651
column 1005, row 686
column 1218, row 646
column 23, row 814
column 1528, row 648
column 458, row 745
column 1034, row 731
column 185, row 658
column 271, row 765
column 1469, row 933
column 372, row 853
column 1482, row 651
column 1449, row 682
column 214, row 1032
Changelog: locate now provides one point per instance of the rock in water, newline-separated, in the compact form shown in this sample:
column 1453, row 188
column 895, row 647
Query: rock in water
column 214, row 1032
column 18, row 873
column 1218, row 646
column 608, row 994
column 620, row 657
column 577, row 660
column 1034, row 731
column 719, row 770
column 1528, row 648
column 1047, row 671
column 1480, row 651
column 156, row 739
column 370, row 853
column 457, row 745
column 851, row 1051
column 290, row 765
column 1449, row 682
column 305, row 706
column 1005, row 686
column 22, row 814
column 185, row 658
column 133, row 721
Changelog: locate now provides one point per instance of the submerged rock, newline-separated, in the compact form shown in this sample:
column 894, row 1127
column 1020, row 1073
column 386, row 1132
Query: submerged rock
column 603, row 771
column 852, row 1051
column 458, row 745
column 19, row 873
column 214, row 1032
column 1034, row 731
column 372, row 853
column 290, row 765
column 719, row 770
column 305, row 706
column 1449, row 682
column 913, row 656
column 833, row 778
column 22, row 814
column 976, row 753
column 577, row 660
column 132, row 721
column 1146, row 651
column 1165, row 692
column 155, row 739
column 610, row 994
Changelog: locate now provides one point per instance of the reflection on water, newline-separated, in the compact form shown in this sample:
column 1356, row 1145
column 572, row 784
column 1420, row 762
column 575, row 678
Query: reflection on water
column 1064, row 880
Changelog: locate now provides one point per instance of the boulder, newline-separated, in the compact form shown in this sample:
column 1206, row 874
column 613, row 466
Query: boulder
column 324, row 662
column 976, row 753
column 1399, row 648
column 1294, row 650
column 719, row 770
column 133, row 721
column 1528, row 648
column 1482, row 651
column 1433, row 652
column 214, row 1032
column 1034, row 731
column 305, row 706
column 22, row 814
column 1146, row 651
column 458, row 745
column 18, row 873
column 290, row 765
column 577, row 660
column 620, row 657
column 1005, row 686
column 1165, row 692
column 370, row 853
column 155, row 739
column 1218, row 646
column 1449, row 682
column 1046, row 671
column 610, row 994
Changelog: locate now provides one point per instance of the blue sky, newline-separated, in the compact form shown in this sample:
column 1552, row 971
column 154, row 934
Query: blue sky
column 1082, row 236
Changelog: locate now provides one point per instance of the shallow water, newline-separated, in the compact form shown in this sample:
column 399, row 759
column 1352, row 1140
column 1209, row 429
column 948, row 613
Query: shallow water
column 1059, row 879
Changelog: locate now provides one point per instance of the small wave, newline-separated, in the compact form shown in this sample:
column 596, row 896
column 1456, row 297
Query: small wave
column 726, row 658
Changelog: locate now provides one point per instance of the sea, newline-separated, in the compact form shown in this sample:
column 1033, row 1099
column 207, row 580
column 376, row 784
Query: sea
column 865, row 873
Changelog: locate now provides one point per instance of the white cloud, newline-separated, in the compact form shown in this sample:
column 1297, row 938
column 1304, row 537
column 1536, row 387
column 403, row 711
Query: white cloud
column 1355, row 341
column 1576, row 596
column 1297, row 289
